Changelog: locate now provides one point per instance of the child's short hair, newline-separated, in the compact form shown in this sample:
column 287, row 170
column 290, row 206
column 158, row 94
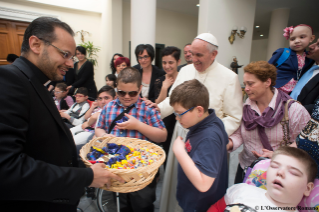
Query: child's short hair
column 190, row 94
column 130, row 75
column 302, row 156
column 83, row 91
column 108, row 89
column 62, row 86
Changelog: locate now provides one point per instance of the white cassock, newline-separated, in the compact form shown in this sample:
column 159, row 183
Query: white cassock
column 225, row 97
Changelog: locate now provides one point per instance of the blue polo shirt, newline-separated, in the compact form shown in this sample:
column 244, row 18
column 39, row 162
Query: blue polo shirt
column 206, row 145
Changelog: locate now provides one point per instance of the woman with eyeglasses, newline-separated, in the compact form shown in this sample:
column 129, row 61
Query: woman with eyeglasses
column 163, row 84
column 84, row 73
column 262, row 129
column 145, row 54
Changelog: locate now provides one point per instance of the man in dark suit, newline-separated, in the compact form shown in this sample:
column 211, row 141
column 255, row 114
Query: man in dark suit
column 187, row 56
column 308, row 84
column 38, row 160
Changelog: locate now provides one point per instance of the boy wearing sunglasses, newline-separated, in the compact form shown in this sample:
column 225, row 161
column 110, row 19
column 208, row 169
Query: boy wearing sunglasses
column 138, row 121
column 202, row 171
column 75, row 114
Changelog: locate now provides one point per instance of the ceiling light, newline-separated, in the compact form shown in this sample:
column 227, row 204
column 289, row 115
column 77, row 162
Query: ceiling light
column 261, row 35
column 197, row 5
column 257, row 26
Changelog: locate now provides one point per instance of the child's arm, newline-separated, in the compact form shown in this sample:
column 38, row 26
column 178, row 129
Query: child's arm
column 93, row 118
column 201, row 181
column 89, row 112
column 102, row 133
column 153, row 133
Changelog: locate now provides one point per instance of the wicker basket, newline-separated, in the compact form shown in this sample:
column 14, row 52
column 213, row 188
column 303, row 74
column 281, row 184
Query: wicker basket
column 136, row 179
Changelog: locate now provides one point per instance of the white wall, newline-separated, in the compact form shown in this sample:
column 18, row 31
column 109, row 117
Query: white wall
column 223, row 15
column 172, row 29
column 259, row 50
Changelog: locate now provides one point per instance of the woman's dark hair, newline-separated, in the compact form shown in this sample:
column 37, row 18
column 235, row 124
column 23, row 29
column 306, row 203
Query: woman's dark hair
column 81, row 49
column 149, row 49
column 43, row 28
column 172, row 50
column 108, row 89
column 112, row 63
column 113, row 78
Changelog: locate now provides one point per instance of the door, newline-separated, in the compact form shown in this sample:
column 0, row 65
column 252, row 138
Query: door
column 11, row 37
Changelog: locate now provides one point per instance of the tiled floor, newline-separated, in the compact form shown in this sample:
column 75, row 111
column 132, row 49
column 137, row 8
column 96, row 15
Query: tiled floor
column 89, row 205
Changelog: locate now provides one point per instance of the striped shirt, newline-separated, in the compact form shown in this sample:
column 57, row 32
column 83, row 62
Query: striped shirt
column 298, row 118
column 140, row 111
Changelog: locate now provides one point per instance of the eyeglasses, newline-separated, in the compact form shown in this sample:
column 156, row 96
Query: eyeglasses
column 77, row 95
column 104, row 97
column 65, row 55
column 130, row 93
column 141, row 58
column 57, row 91
column 180, row 115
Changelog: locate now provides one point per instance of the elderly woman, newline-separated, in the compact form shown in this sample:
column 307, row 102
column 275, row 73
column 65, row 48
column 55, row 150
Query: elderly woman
column 261, row 131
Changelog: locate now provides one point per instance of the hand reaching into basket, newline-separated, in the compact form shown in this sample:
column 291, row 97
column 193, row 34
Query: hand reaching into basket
column 102, row 176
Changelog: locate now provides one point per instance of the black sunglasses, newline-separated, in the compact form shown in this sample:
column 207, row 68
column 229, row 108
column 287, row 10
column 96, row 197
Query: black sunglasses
column 130, row 93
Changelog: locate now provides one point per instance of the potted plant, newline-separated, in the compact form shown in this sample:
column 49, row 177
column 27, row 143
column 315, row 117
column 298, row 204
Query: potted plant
column 91, row 51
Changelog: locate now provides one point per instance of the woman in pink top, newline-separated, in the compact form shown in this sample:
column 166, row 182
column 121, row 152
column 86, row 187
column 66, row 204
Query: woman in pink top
column 261, row 131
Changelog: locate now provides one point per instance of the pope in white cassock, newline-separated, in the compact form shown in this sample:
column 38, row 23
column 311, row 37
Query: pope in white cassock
column 225, row 97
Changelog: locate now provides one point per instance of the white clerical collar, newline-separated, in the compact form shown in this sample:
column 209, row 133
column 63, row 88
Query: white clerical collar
column 45, row 84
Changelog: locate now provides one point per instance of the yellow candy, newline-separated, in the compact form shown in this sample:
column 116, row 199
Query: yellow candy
column 100, row 150
column 124, row 161
column 136, row 153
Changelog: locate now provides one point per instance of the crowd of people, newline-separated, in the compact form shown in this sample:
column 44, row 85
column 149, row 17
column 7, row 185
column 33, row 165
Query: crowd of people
column 51, row 108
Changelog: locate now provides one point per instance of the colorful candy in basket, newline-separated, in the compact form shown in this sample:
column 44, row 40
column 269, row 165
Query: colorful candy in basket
column 122, row 157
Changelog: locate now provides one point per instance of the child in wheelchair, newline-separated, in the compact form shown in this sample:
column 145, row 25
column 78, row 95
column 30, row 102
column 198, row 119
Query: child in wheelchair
column 289, row 178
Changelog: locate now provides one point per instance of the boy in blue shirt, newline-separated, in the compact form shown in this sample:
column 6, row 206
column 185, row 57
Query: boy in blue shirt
column 202, row 170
